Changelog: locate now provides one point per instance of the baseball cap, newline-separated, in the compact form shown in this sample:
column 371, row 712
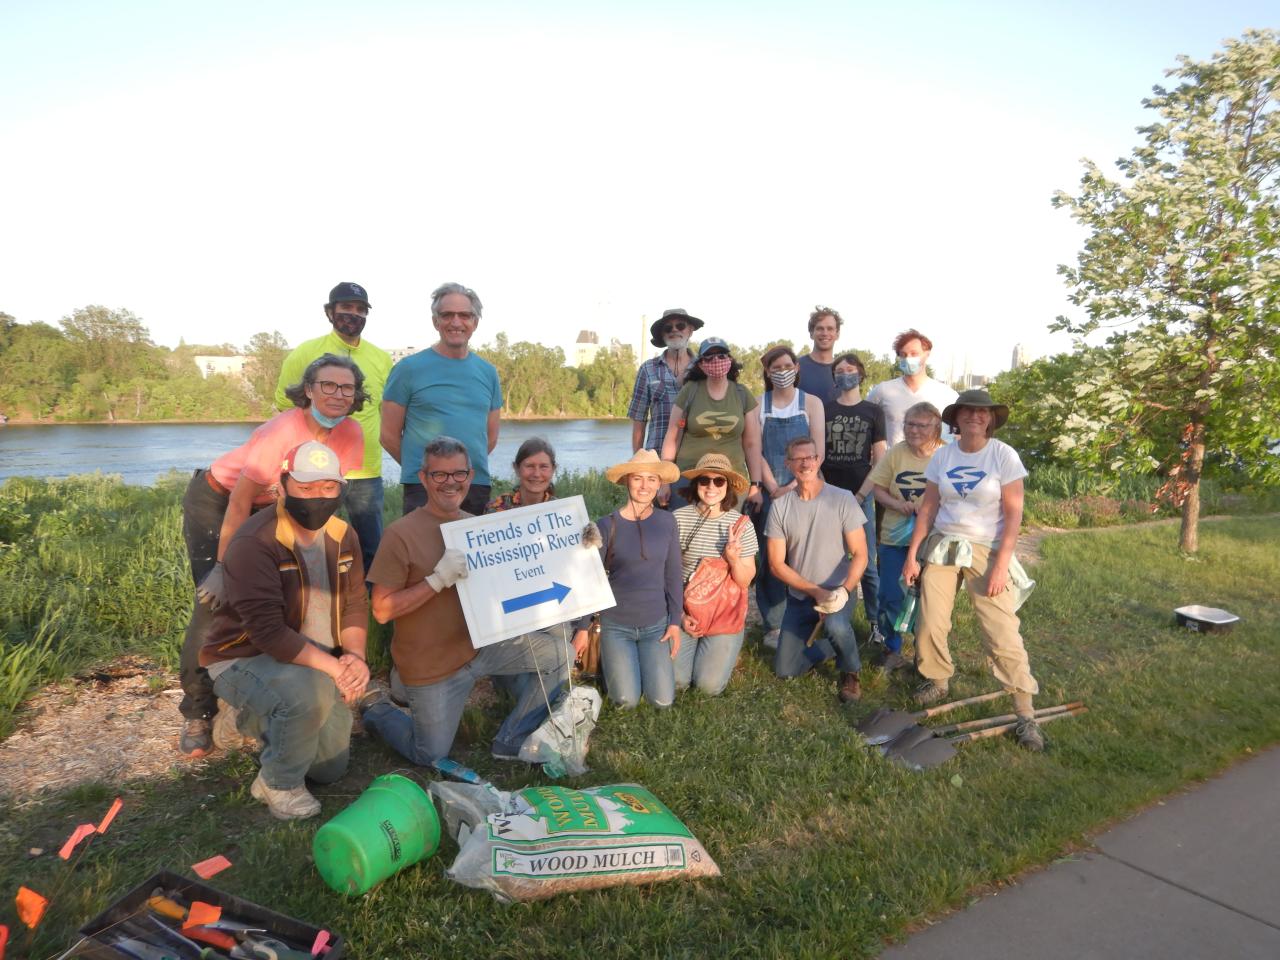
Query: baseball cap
column 712, row 343
column 311, row 461
column 349, row 292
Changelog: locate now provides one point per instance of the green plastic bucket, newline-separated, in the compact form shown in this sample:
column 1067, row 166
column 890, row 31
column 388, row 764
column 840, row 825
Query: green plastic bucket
column 391, row 825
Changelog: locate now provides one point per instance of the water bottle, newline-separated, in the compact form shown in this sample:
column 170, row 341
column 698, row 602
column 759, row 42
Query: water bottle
column 906, row 619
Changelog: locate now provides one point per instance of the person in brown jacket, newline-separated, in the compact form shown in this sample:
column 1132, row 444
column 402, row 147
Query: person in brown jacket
column 286, row 652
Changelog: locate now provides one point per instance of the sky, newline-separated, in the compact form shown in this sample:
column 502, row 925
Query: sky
column 216, row 168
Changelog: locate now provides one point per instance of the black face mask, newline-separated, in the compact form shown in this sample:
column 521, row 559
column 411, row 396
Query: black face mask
column 348, row 324
column 311, row 513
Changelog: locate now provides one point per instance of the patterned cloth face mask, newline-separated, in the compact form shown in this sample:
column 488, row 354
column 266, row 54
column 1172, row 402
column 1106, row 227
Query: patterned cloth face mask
column 847, row 381
column 716, row 366
column 783, row 378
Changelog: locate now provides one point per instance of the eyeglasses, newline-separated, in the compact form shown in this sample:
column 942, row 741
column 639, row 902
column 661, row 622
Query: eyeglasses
column 440, row 476
column 812, row 456
column 674, row 326
column 917, row 425
column 329, row 388
column 465, row 315
column 706, row 481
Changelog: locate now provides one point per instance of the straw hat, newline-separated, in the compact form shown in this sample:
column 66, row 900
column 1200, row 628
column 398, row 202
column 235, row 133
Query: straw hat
column 718, row 463
column 976, row 398
column 643, row 461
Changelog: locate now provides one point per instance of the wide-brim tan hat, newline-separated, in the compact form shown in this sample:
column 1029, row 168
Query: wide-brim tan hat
column 719, row 464
column 644, row 461
column 980, row 399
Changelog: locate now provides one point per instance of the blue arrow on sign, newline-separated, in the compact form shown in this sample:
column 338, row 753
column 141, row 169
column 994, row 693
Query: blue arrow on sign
column 556, row 592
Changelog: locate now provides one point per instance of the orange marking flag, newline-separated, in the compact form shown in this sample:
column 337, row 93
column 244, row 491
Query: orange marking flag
column 111, row 815
column 80, row 832
column 200, row 914
column 207, row 868
column 4, row 938
column 30, row 906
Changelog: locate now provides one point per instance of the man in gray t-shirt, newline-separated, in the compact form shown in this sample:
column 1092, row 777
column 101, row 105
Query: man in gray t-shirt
column 816, row 547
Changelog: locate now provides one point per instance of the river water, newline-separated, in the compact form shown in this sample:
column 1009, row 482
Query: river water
column 142, row 452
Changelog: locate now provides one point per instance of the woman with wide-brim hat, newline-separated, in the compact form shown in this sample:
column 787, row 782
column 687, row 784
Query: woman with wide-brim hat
column 966, row 529
column 640, row 634
column 709, row 527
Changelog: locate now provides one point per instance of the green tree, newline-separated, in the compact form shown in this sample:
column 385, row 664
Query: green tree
column 1181, row 262
column 266, row 352
column 608, row 381
column 36, row 370
column 112, row 342
column 7, row 325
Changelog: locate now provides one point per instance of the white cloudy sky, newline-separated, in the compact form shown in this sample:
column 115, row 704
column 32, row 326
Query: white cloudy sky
column 215, row 168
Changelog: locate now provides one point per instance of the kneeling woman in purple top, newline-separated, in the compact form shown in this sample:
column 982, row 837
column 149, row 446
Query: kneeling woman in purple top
column 640, row 635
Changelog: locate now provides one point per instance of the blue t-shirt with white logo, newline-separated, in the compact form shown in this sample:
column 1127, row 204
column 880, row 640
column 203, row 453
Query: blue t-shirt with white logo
column 969, row 488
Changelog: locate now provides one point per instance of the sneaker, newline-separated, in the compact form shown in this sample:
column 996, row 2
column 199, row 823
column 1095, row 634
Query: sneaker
column 931, row 691
column 850, row 688
column 770, row 640
column 877, row 638
column 503, row 751
column 226, row 732
column 295, row 804
column 376, row 693
column 893, row 660
column 196, row 739
column 1029, row 734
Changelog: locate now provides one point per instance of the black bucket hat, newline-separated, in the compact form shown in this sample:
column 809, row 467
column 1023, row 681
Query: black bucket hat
column 976, row 398
column 655, row 328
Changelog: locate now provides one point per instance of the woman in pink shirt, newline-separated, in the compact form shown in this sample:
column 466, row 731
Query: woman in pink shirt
column 220, row 499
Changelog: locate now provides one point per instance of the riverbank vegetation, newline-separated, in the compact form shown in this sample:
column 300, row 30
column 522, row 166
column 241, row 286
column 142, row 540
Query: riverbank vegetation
column 825, row 849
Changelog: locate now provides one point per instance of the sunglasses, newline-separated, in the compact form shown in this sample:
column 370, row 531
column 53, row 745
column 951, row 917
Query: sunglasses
column 675, row 326
column 714, row 356
column 706, row 481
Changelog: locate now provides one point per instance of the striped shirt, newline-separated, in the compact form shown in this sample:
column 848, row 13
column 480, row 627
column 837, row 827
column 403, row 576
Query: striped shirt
column 701, row 538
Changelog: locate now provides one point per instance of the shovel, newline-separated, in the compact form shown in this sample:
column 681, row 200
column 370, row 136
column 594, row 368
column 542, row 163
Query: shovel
column 914, row 736
column 935, row 750
column 885, row 724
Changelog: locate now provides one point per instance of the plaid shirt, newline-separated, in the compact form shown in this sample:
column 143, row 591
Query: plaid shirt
column 655, row 390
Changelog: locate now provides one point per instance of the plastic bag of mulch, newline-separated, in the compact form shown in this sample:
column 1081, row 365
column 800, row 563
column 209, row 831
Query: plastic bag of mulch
column 549, row 840
column 560, row 744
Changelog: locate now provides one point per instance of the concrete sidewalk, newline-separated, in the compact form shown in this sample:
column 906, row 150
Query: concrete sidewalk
column 1197, row 876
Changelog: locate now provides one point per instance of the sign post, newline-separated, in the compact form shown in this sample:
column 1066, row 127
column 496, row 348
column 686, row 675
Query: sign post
column 527, row 569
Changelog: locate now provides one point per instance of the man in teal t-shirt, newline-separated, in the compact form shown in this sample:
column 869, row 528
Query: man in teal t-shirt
column 348, row 309
column 445, row 390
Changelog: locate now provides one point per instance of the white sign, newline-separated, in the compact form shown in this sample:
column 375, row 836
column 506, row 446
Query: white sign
column 527, row 569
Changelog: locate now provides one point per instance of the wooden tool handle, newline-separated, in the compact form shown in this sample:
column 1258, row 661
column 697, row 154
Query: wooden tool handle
column 1006, row 727
column 1003, row 718
column 954, row 704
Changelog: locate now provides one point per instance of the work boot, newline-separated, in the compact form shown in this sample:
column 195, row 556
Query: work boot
column 295, row 804
column 893, row 660
column 931, row 691
column 196, row 739
column 877, row 638
column 850, row 688
column 226, row 733
column 1029, row 735
column 376, row 693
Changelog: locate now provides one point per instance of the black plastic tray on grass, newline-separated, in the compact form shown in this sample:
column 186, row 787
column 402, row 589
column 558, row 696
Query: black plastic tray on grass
column 133, row 903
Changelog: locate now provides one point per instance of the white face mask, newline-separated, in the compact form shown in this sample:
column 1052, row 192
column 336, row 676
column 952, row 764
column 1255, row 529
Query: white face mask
column 676, row 341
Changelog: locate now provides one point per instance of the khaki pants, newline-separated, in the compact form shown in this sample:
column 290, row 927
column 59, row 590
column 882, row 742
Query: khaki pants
column 1005, row 651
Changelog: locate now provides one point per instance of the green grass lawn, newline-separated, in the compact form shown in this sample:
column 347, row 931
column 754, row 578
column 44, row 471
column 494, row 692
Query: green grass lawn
column 826, row 850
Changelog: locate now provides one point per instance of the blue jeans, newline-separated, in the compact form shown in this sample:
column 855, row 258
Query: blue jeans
column 426, row 733
column 298, row 715
column 891, row 561
column 771, row 593
column 363, row 503
column 793, row 658
column 635, row 661
column 707, row 662
column 871, row 577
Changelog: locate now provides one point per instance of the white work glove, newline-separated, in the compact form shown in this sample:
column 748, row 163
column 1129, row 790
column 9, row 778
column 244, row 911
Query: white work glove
column 834, row 603
column 591, row 538
column 213, row 588
column 451, row 568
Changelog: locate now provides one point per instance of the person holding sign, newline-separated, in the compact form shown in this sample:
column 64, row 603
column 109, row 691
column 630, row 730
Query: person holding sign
column 710, row 529
column 414, row 579
column 640, row 634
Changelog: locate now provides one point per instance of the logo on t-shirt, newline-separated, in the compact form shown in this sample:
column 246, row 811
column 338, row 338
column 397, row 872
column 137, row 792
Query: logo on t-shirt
column 964, row 479
column 717, row 425
column 910, row 483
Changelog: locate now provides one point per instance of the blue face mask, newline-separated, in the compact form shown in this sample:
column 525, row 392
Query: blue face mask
column 910, row 365
column 847, row 381
column 327, row 422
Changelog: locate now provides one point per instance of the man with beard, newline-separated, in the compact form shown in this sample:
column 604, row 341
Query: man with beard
column 286, row 652
column 347, row 310
column 658, row 380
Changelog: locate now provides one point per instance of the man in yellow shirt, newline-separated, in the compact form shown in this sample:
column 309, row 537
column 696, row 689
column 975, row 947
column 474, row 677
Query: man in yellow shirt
column 348, row 309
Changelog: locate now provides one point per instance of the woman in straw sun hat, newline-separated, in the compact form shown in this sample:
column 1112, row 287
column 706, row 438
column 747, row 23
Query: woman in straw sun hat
column 640, row 634
column 709, row 528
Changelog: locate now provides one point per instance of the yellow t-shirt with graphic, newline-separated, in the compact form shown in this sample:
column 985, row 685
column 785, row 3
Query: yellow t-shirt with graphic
column 901, row 472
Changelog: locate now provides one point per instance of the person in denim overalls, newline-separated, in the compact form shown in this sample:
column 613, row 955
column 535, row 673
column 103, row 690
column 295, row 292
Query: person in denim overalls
column 786, row 412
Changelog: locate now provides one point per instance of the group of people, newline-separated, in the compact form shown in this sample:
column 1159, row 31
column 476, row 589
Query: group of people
column 722, row 489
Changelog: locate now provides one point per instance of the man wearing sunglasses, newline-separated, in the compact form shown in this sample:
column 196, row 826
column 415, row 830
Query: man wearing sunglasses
column 444, row 391
column 414, row 584
column 658, row 380
column 347, row 311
